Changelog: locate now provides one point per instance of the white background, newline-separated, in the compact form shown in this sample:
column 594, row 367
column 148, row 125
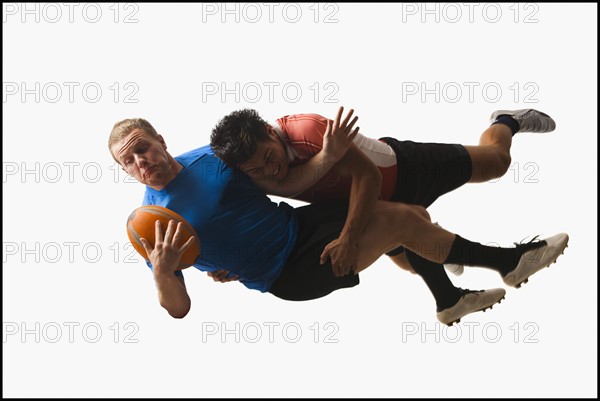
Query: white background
column 378, row 339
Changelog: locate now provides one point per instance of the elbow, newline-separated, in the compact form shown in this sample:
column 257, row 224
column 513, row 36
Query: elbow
column 178, row 311
column 178, row 314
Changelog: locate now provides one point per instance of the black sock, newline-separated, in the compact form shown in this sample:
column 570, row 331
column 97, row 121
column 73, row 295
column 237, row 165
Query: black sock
column 468, row 253
column 434, row 275
column 509, row 121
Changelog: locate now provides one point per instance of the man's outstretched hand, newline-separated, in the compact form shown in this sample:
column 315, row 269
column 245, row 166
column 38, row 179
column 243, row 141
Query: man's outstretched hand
column 220, row 276
column 339, row 135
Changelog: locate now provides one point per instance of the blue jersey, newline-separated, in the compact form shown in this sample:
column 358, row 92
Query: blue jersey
column 240, row 228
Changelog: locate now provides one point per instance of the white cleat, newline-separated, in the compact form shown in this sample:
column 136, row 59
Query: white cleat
column 536, row 256
column 530, row 120
column 471, row 301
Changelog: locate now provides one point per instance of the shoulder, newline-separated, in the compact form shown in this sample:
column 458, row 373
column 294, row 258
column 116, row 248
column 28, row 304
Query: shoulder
column 203, row 155
column 195, row 153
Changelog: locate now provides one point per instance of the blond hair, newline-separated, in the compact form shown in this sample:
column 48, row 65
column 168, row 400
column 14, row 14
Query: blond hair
column 124, row 128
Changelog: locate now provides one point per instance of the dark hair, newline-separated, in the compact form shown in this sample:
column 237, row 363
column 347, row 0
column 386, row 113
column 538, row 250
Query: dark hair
column 235, row 138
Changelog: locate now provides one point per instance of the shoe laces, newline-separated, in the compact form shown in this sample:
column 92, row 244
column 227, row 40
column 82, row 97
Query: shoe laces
column 535, row 246
column 525, row 116
column 465, row 291
column 527, row 243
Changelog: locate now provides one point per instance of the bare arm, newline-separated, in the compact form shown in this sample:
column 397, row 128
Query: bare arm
column 172, row 294
column 299, row 178
column 336, row 142
column 364, row 192
column 165, row 257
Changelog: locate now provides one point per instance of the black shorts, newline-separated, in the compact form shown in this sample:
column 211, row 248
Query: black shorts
column 303, row 277
column 426, row 171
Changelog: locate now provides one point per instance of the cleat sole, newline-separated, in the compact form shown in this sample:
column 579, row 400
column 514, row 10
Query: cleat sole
column 483, row 309
column 518, row 285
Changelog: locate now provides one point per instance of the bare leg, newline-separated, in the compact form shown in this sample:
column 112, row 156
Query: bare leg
column 410, row 226
column 395, row 224
column 401, row 261
column 491, row 159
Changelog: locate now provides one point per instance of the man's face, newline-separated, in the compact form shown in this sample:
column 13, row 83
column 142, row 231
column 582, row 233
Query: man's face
column 145, row 158
column 269, row 162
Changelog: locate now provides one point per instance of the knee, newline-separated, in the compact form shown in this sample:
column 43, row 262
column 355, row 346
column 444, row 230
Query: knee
column 421, row 211
column 404, row 214
column 504, row 161
column 498, row 164
column 407, row 219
